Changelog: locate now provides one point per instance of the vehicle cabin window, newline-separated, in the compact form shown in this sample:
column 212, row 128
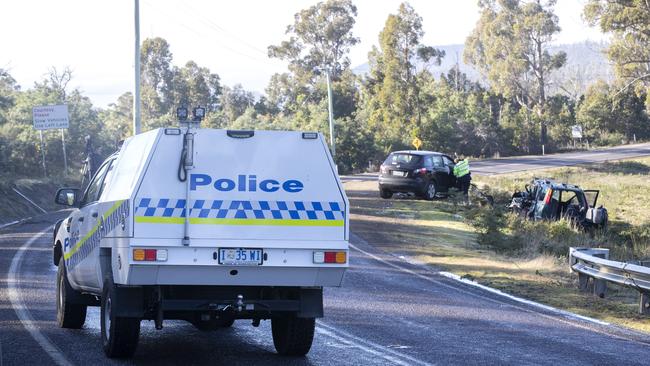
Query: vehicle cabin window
column 437, row 161
column 428, row 162
column 541, row 193
column 447, row 160
column 107, row 178
column 405, row 159
column 95, row 186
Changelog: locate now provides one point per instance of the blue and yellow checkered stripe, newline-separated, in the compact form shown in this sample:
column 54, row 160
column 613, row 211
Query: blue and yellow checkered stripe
column 237, row 212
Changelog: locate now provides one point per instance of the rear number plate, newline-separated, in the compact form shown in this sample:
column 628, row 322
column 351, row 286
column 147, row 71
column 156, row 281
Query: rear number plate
column 397, row 173
column 240, row 256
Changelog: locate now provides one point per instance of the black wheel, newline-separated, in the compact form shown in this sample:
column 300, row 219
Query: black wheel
column 119, row 335
column 385, row 193
column 293, row 336
column 226, row 323
column 430, row 191
column 68, row 314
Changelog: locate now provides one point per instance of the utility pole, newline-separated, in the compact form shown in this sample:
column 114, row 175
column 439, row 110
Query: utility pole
column 136, row 92
column 331, row 112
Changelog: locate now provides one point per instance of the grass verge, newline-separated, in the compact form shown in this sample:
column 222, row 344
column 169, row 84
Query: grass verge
column 41, row 191
column 443, row 234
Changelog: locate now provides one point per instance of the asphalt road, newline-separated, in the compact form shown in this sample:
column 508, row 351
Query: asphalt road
column 534, row 162
column 388, row 312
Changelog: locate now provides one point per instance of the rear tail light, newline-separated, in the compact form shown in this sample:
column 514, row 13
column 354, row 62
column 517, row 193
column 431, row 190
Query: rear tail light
column 149, row 255
column 338, row 257
column 420, row 171
column 383, row 169
column 549, row 194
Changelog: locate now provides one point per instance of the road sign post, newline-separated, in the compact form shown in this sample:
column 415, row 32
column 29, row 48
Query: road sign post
column 65, row 155
column 40, row 132
column 51, row 117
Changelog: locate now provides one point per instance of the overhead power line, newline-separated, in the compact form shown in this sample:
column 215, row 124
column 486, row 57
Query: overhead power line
column 201, row 34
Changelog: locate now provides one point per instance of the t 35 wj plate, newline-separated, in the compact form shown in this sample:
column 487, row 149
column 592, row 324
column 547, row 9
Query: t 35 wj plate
column 240, row 256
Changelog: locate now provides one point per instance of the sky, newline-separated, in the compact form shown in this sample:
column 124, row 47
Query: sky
column 95, row 38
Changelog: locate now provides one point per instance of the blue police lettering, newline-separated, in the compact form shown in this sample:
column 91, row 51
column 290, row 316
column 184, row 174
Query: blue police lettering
column 199, row 180
column 224, row 185
column 269, row 185
column 245, row 183
column 292, row 186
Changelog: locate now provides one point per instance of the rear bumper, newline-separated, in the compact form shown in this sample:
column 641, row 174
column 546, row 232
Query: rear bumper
column 235, row 276
column 209, row 303
column 416, row 185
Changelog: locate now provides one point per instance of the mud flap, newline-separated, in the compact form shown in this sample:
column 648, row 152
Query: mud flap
column 311, row 303
column 128, row 302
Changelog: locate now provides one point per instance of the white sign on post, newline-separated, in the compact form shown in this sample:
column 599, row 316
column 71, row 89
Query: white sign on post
column 50, row 117
column 576, row 132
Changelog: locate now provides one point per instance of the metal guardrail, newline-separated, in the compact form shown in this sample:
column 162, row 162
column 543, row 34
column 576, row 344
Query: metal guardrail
column 595, row 269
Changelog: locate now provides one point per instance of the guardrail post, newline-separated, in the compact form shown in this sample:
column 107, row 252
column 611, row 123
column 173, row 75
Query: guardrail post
column 600, row 286
column 644, row 303
column 583, row 282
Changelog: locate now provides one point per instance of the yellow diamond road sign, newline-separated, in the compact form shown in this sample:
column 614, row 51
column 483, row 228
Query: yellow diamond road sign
column 417, row 143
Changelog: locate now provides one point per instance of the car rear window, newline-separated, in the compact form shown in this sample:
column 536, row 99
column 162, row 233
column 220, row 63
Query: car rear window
column 403, row 159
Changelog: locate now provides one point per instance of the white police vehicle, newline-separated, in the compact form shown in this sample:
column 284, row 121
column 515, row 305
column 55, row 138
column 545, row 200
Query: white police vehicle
column 250, row 225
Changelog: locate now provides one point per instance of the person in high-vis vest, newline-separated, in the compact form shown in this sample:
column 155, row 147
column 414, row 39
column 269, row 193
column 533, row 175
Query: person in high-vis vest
column 463, row 176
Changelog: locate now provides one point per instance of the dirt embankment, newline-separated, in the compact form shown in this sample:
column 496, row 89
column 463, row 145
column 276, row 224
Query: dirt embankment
column 14, row 207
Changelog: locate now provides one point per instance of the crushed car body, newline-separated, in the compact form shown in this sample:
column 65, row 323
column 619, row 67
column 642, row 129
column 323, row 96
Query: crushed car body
column 546, row 199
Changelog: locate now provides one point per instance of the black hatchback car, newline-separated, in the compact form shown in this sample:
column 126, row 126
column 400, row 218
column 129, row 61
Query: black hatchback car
column 423, row 173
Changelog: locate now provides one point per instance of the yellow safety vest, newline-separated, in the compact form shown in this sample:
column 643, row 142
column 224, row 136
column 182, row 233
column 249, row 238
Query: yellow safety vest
column 461, row 169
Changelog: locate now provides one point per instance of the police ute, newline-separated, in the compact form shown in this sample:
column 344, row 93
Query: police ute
column 207, row 226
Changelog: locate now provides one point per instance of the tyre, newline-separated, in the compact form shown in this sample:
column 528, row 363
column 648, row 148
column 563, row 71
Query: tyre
column 68, row 314
column 430, row 191
column 293, row 336
column 119, row 335
column 385, row 193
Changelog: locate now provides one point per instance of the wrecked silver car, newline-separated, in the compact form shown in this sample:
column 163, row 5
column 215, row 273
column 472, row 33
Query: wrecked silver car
column 545, row 199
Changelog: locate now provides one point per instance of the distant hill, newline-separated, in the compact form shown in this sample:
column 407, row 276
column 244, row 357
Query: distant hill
column 586, row 64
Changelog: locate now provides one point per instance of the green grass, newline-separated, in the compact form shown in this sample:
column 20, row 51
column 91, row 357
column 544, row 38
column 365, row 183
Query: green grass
column 441, row 234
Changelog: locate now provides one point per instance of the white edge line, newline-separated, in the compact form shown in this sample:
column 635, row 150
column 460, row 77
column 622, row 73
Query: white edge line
column 23, row 312
column 368, row 346
column 9, row 224
column 489, row 289
column 521, row 300
column 361, row 347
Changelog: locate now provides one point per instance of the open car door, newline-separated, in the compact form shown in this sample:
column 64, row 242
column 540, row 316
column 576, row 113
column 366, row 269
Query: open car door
column 592, row 197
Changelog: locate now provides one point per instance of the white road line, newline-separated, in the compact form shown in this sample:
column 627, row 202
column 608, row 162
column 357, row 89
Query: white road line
column 521, row 300
column 7, row 225
column 21, row 310
column 387, row 354
column 562, row 313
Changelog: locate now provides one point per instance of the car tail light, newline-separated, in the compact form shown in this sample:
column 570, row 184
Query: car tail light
column 339, row 257
column 383, row 169
column 549, row 194
column 149, row 255
column 420, row 171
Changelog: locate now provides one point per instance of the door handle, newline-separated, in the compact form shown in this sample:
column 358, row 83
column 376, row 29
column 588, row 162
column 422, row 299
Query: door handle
column 94, row 214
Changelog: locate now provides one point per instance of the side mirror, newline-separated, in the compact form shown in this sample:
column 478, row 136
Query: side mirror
column 67, row 197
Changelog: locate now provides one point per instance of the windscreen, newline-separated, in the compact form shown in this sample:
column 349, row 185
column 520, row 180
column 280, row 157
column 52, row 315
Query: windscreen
column 403, row 159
